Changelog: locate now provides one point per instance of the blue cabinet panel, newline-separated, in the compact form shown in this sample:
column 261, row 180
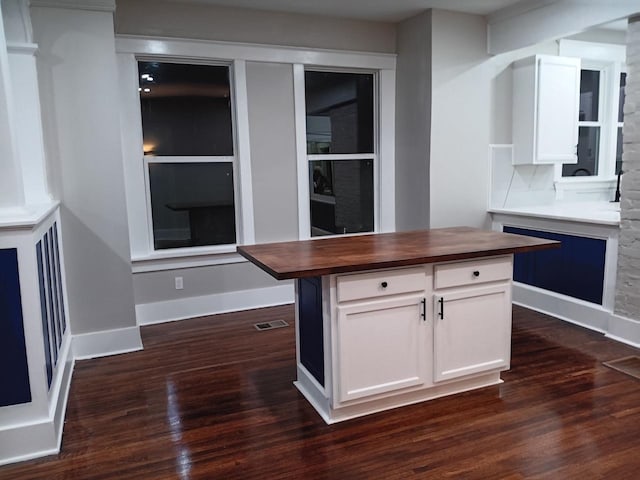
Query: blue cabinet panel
column 575, row 269
column 310, row 326
column 14, row 371
column 43, row 312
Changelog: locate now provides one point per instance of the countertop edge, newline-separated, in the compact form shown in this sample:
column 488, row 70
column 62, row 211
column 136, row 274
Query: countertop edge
column 406, row 262
column 551, row 216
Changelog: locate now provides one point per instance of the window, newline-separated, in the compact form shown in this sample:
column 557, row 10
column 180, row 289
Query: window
column 341, row 151
column 188, row 153
column 589, row 127
column 599, row 131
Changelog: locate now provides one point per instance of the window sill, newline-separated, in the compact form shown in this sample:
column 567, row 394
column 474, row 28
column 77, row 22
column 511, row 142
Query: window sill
column 585, row 189
column 178, row 258
column 577, row 182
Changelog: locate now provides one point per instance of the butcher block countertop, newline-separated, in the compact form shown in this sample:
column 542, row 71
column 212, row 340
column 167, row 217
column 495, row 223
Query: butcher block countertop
column 324, row 256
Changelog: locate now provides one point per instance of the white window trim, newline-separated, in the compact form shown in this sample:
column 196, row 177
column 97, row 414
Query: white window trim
column 383, row 156
column 131, row 47
column 609, row 60
column 143, row 254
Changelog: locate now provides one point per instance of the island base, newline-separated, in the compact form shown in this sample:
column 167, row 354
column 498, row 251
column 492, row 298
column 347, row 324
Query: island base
column 315, row 395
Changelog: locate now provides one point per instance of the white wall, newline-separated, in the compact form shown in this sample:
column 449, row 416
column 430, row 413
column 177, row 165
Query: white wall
column 78, row 85
column 273, row 151
column 199, row 21
column 460, row 118
column 413, row 122
column 153, row 287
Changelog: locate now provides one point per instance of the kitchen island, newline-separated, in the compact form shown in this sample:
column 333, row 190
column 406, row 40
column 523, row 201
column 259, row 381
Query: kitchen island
column 386, row 320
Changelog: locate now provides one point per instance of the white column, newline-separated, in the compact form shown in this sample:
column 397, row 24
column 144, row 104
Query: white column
column 11, row 188
column 28, row 123
column 27, row 118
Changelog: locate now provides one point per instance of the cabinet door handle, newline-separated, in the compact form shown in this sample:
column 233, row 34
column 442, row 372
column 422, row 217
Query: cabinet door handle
column 441, row 312
column 476, row 273
column 423, row 315
column 384, row 284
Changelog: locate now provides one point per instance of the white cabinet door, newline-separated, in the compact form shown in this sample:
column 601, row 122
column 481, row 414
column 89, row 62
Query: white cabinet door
column 472, row 331
column 380, row 347
column 558, row 108
column 546, row 102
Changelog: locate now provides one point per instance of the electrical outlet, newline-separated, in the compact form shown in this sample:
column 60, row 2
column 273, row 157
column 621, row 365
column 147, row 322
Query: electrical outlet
column 179, row 284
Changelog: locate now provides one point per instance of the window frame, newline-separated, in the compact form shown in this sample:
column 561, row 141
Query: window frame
column 382, row 155
column 144, row 256
column 149, row 159
column 609, row 61
column 130, row 48
column 350, row 156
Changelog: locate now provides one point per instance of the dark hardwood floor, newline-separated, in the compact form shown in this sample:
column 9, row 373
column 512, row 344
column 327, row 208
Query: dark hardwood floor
column 212, row 398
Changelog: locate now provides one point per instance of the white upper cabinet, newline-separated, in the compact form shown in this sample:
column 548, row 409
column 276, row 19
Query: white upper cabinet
column 546, row 100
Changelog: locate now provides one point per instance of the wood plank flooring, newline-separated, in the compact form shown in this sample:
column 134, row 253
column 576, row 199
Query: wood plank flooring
column 212, row 398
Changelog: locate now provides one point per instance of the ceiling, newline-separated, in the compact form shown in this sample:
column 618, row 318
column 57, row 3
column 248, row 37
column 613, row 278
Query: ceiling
column 376, row 10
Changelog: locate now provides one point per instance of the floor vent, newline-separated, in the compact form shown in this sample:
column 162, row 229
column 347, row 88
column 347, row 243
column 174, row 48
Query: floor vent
column 271, row 325
column 628, row 365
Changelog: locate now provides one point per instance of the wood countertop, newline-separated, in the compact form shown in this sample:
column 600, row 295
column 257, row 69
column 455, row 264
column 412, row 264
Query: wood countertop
column 324, row 256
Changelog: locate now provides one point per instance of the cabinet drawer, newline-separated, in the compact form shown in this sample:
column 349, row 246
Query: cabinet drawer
column 472, row 272
column 378, row 284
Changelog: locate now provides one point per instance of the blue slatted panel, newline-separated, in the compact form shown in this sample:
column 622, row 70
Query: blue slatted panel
column 14, row 371
column 576, row 269
column 43, row 312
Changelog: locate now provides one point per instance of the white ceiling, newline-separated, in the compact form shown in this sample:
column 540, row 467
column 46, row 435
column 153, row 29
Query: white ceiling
column 378, row 10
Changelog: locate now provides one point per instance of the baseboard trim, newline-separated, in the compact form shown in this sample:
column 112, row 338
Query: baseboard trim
column 180, row 309
column 37, row 439
column 579, row 312
column 107, row 342
column 624, row 330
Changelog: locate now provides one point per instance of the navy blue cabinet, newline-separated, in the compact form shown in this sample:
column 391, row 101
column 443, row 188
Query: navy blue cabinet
column 575, row 269
column 310, row 326
column 14, row 372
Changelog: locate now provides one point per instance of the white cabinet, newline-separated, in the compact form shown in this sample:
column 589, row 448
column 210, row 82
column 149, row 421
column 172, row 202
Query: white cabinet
column 472, row 318
column 383, row 342
column 546, row 101
column 380, row 333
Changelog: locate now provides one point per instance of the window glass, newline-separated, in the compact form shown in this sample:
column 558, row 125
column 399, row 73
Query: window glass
column 623, row 84
column 589, row 95
column 341, row 194
column 339, row 112
column 192, row 204
column 588, row 146
column 186, row 109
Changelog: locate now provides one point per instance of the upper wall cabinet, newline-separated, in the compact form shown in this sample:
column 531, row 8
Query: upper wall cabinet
column 546, row 99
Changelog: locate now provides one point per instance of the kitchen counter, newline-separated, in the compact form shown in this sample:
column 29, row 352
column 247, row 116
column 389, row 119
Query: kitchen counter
column 324, row 256
column 385, row 320
column 602, row 213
